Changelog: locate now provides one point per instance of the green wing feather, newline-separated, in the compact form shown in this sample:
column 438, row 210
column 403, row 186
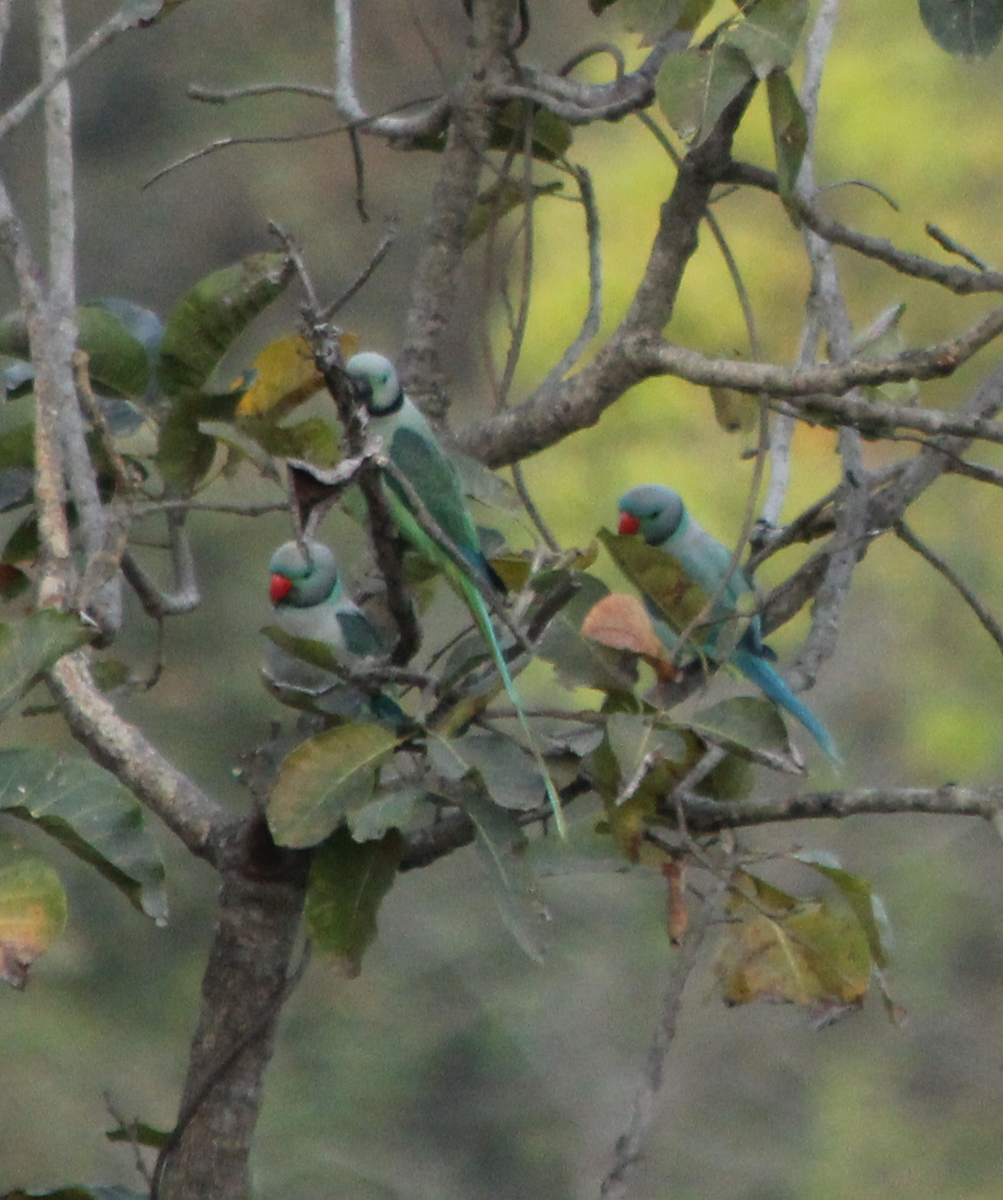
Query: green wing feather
column 437, row 482
column 360, row 635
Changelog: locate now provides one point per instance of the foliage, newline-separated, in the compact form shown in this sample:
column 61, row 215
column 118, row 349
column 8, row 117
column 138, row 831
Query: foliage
column 341, row 807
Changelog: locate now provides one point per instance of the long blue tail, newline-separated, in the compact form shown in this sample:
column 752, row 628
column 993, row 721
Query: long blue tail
column 758, row 671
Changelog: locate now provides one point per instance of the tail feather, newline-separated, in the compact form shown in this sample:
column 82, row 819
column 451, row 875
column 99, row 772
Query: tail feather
column 479, row 609
column 758, row 671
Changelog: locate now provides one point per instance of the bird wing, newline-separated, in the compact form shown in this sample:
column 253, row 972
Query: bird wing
column 436, row 481
column 359, row 633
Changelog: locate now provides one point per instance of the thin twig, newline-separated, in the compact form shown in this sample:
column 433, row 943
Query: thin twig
column 952, row 246
column 209, row 95
column 629, row 1144
column 986, row 619
column 959, row 280
column 379, row 254
column 711, row 816
column 117, row 23
column 185, row 596
column 593, row 315
column 430, row 118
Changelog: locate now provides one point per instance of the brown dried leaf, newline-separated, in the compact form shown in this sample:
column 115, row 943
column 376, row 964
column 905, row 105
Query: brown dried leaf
column 622, row 622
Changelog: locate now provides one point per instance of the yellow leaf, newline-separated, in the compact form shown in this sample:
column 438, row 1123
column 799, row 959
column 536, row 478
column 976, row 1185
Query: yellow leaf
column 285, row 375
column 788, row 950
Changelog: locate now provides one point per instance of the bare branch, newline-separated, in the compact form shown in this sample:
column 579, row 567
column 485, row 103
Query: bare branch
column 422, row 124
column 184, row 596
column 393, row 127
column 120, row 747
column 435, row 280
column 952, row 246
column 581, row 103
column 629, row 1144
column 710, row 816
column 889, row 500
column 593, row 315
column 956, row 279
column 117, row 23
column 579, row 402
column 986, row 619
column 209, row 95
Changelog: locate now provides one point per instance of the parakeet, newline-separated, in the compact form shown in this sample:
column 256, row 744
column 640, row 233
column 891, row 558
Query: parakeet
column 412, row 446
column 659, row 515
column 309, row 601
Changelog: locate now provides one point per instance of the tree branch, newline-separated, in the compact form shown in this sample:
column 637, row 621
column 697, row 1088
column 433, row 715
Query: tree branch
column 124, row 750
column 629, row 1144
column 435, row 281
column 711, row 816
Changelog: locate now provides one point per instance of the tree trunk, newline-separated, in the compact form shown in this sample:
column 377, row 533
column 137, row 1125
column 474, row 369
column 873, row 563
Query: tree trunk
column 246, row 982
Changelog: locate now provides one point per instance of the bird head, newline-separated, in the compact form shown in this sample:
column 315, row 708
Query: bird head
column 652, row 510
column 303, row 574
column 374, row 380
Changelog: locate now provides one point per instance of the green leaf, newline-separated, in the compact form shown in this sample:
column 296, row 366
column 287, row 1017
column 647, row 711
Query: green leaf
column 751, row 726
column 118, row 364
column 484, row 486
column 732, row 779
column 22, row 545
column 789, row 126
column 32, row 645
column 638, row 743
column 695, row 87
column 661, row 578
column 769, row 34
column 17, row 433
column 14, row 336
column 13, row 582
column 313, row 439
column 324, row 779
column 318, row 654
column 579, row 661
column 206, row 322
column 551, row 134
column 393, row 810
column 16, row 487
column 184, row 453
column 655, row 17
column 736, row 412
column 781, row 948
column 966, row 28
column 32, row 910
column 140, row 1134
column 501, row 846
column 507, row 771
column 90, row 813
column 857, row 892
column 500, row 199
column 118, row 361
column 348, row 881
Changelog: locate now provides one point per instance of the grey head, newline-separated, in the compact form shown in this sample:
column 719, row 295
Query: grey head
column 302, row 575
column 375, row 381
column 653, row 510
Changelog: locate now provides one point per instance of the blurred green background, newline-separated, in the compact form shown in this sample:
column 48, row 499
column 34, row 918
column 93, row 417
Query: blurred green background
column 454, row 1067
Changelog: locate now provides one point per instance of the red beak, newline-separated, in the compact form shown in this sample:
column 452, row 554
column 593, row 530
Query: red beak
column 629, row 524
column 279, row 588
